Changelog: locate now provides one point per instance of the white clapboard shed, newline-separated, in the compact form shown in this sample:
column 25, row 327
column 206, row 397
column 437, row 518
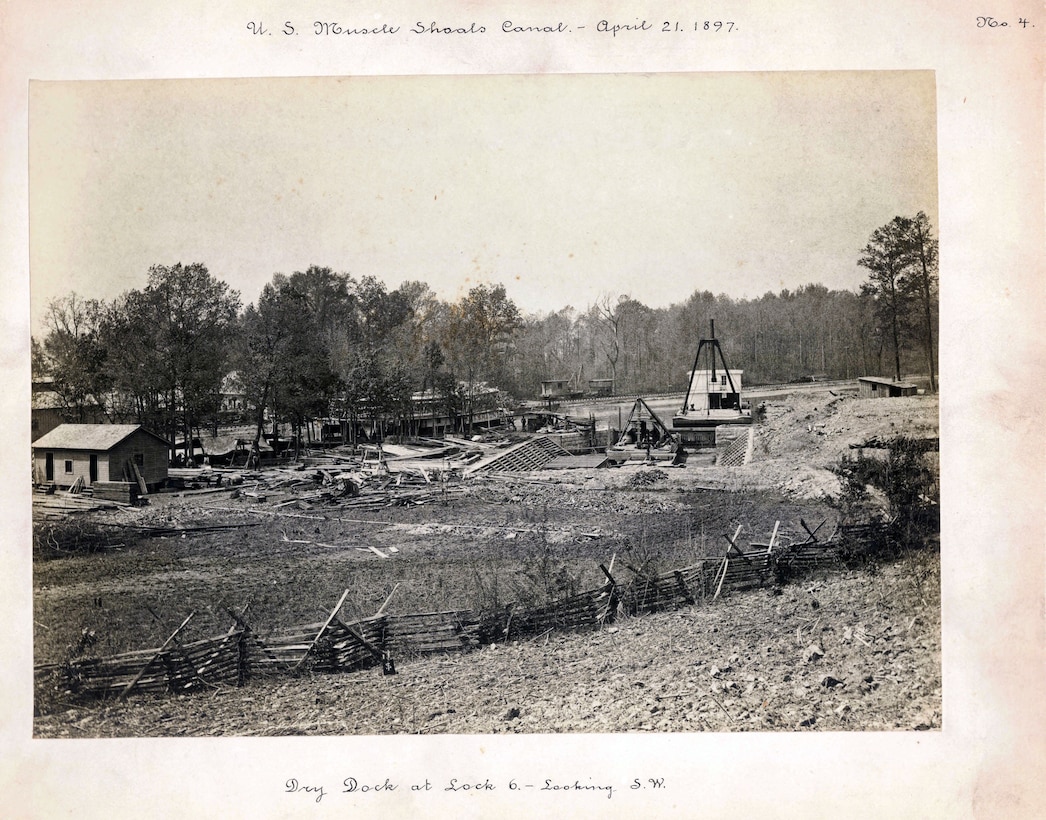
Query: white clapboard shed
column 100, row 453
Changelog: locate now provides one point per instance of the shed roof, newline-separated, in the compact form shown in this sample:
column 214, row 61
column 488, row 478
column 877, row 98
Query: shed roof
column 881, row 380
column 47, row 400
column 90, row 436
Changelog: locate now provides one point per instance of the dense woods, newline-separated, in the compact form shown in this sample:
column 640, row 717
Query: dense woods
column 319, row 342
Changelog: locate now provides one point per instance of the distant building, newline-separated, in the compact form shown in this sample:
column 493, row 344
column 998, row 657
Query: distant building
column 233, row 396
column 48, row 410
column 432, row 413
column 431, row 417
column 601, row 387
column 99, row 453
column 556, row 388
column 874, row 387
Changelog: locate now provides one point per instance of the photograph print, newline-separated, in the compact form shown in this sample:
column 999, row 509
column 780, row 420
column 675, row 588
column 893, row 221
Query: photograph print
column 485, row 404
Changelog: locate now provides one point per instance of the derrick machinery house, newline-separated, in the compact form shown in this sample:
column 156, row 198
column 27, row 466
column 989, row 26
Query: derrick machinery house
column 100, row 453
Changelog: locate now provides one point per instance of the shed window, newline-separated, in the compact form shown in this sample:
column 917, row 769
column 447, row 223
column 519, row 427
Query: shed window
column 68, row 466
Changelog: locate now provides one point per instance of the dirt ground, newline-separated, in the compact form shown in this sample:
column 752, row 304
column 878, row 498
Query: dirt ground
column 851, row 650
column 744, row 662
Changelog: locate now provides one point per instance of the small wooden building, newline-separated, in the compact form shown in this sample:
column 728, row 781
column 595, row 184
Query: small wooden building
column 556, row 388
column 48, row 409
column 875, row 387
column 100, row 453
column 601, row 387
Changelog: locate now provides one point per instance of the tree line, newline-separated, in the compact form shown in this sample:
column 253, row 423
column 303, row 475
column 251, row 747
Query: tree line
column 320, row 343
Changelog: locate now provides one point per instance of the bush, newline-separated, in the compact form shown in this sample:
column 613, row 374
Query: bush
column 65, row 536
column 908, row 483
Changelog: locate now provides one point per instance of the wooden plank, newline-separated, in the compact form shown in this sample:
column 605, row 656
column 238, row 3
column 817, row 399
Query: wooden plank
column 368, row 645
column 136, row 473
column 330, row 618
column 381, row 609
column 773, row 538
column 722, row 577
column 158, row 653
column 733, row 544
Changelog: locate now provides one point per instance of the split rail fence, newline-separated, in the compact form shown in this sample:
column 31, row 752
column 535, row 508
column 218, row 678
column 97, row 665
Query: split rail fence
column 333, row 645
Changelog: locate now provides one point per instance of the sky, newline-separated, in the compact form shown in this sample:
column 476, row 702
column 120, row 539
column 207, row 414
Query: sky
column 564, row 188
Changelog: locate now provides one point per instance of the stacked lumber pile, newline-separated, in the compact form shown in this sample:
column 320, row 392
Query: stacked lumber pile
column 358, row 491
column 62, row 504
column 410, row 484
column 125, row 492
